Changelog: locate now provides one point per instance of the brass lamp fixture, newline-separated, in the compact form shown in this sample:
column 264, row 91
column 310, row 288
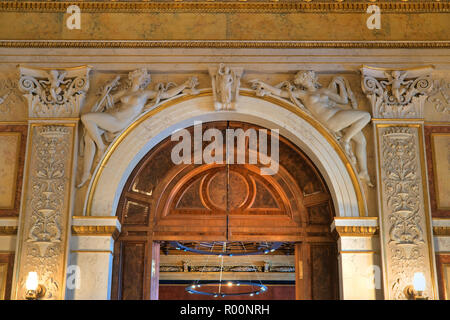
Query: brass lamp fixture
column 34, row 290
column 415, row 291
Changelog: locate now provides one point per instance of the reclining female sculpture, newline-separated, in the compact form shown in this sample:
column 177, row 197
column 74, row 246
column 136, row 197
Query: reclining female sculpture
column 322, row 104
column 113, row 118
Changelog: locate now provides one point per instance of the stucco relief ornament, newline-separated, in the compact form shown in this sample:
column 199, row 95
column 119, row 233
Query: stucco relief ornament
column 327, row 105
column 402, row 189
column 440, row 96
column 117, row 108
column 54, row 93
column 48, row 189
column 402, row 186
column 9, row 95
column 396, row 94
column 226, row 82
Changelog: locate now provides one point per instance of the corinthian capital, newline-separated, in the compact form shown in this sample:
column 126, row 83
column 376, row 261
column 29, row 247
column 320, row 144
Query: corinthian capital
column 397, row 93
column 54, row 93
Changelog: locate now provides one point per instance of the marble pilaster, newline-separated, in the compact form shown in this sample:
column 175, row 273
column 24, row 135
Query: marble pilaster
column 397, row 99
column 359, row 258
column 91, row 257
column 54, row 100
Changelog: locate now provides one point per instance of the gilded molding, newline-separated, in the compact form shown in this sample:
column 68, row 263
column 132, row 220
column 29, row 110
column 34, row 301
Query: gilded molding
column 226, row 6
column 221, row 44
column 356, row 231
column 442, row 231
column 8, row 230
column 112, row 231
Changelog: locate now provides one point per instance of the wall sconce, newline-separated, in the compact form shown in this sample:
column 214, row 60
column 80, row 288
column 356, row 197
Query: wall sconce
column 34, row 289
column 415, row 292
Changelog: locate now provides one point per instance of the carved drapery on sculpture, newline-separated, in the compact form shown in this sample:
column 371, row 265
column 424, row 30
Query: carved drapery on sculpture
column 54, row 93
column 404, row 220
column 346, row 128
column 395, row 93
column 118, row 106
column 45, row 215
column 226, row 82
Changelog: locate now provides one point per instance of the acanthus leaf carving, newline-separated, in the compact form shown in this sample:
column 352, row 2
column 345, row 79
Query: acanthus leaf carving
column 396, row 93
column 404, row 220
column 56, row 92
column 44, row 244
column 402, row 186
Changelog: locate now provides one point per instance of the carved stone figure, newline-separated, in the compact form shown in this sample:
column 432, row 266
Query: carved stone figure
column 56, row 78
column 396, row 94
column 396, row 82
column 114, row 112
column 403, row 218
column 54, row 93
column 323, row 105
column 225, row 86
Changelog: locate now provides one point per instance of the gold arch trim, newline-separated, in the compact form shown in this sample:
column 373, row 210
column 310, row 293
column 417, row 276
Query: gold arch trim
column 283, row 104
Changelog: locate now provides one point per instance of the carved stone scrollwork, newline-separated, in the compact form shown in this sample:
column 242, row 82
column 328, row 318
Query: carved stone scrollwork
column 402, row 186
column 44, row 233
column 48, row 188
column 54, row 93
column 396, row 94
column 404, row 219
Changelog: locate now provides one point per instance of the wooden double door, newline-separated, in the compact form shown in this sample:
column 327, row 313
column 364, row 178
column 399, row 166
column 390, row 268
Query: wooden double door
column 164, row 201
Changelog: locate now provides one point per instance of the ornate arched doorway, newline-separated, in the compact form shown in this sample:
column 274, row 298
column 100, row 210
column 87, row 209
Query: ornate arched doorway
column 162, row 201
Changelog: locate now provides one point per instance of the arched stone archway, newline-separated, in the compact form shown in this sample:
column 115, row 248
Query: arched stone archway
column 157, row 124
column 299, row 128
column 197, row 202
